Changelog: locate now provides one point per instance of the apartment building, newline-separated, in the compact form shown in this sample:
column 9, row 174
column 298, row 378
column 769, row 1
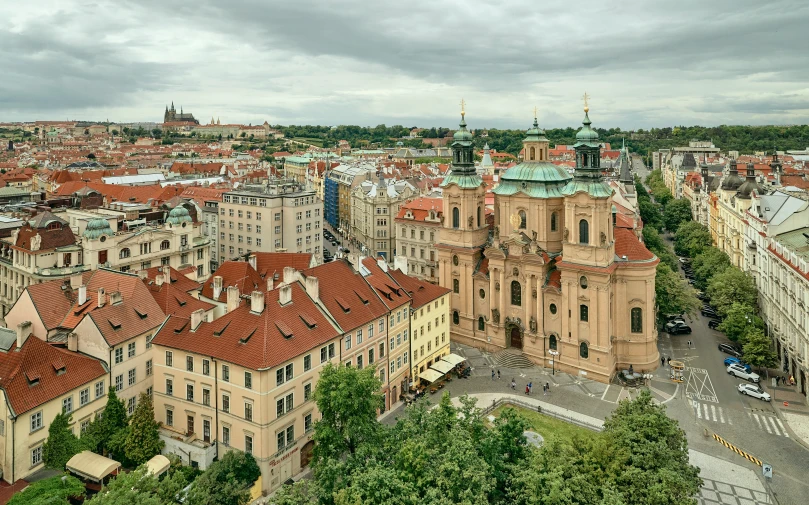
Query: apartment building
column 417, row 226
column 245, row 381
column 374, row 206
column 276, row 217
column 338, row 187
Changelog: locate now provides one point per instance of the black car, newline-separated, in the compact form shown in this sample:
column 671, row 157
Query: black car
column 710, row 313
column 730, row 349
column 702, row 296
column 677, row 328
column 714, row 324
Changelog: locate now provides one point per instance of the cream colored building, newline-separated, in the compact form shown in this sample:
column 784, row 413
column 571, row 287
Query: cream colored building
column 373, row 210
column 418, row 225
column 730, row 223
column 278, row 217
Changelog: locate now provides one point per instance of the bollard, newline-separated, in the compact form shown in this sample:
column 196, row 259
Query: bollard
column 705, row 432
column 539, row 408
column 786, row 404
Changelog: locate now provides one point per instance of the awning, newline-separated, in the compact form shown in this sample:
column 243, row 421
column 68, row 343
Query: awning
column 430, row 375
column 442, row 366
column 91, row 466
column 453, row 359
column 158, row 465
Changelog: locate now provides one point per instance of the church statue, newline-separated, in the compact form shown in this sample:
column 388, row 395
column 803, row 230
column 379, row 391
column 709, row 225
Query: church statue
column 496, row 231
column 603, row 238
column 515, row 220
column 567, row 233
column 496, row 316
column 532, row 325
column 36, row 242
column 534, row 235
column 470, row 221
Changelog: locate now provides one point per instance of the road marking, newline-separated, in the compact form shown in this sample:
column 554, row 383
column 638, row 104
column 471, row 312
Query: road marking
column 774, row 426
column 605, row 392
column 738, row 451
column 699, row 412
column 721, row 417
column 705, row 409
column 699, row 385
column 755, row 417
column 713, row 412
column 782, row 427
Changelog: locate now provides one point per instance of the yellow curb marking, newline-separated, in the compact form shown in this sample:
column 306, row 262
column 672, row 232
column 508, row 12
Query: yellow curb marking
column 738, row 451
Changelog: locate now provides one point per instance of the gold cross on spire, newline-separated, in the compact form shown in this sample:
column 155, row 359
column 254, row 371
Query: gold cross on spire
column 535, row 111
column 586, row 99
column 463, row 107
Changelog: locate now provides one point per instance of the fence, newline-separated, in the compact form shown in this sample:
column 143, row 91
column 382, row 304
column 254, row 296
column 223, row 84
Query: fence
column 551, row 412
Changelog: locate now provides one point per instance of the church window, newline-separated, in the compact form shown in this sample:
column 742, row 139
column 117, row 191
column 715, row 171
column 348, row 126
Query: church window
column 516, row 293
column 522, row 219
column 584, row 232
column 637, row 320
column 554, row 221
column 481, row 324
column 125, row 253
column 584, row 160
column 584, row 313
column 533, row 154
column 479, row 212
column 552, row 342
column 456, row 217
column 482, row 294
column 165, row 245
column 456, row 286
column 583, row 282
column 584, row 350
column 456, row 318
column 552, row 308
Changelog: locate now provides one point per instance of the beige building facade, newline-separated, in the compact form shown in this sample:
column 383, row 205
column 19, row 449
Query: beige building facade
column 374, row 207
column 417, row 229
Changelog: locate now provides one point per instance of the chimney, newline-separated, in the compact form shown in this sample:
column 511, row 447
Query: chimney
column 82, row 294
column 257, row 302
column 285, row 296
column 233, row 299
column 101, row 297
column 289, row 275
column 72, row 342
column 269, row 282
column 252, row 261
column 75, row 281
column 382, row 264
column 217, row 286
column 159, row 279
column 116, row 298
column 196, row 318
column 142, row 274
column 23, row 330
column 313, row 288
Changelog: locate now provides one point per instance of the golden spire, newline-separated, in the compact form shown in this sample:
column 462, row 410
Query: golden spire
column 586, row 99
column 535, row 111
column 463, row 108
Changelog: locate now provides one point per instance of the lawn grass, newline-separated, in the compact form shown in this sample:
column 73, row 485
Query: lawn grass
column 548, row 427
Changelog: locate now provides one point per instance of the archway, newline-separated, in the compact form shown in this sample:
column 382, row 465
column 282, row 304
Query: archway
column 516, row 337
column 306, row 453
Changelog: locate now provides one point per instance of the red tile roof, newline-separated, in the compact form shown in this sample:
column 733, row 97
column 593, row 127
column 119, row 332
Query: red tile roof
column 234, row 273
column 255, row 341
column 627, row 244
column 391, row 293
column 178, row 280
column 421, row 292
column 174, row 301
column 53, row 299
column 57, row 370
column 421, row 207
column 268, row 263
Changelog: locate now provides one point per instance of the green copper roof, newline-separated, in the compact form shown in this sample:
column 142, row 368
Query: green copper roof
column 531, row 189
column 462, row 180
column 96, row 228
column 462, row 135
column 594, row 187
column 535, row 134
column 586, row 136
column 536, row 171
column 178, row 215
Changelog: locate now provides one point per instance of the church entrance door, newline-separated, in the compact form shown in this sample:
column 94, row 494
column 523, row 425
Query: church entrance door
column 516, row 338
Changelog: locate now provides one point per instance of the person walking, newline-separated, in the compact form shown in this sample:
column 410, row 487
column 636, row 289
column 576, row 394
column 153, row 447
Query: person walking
column 513, row 385
column 492, row 373
column 498, row 375
column 526, row 389
column 548, row 387
column 668, row 361
column 662, row 360
column 530, row 387
column 544, row 390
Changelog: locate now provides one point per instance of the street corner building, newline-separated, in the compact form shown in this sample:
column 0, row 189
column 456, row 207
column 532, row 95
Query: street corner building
column 561, row 276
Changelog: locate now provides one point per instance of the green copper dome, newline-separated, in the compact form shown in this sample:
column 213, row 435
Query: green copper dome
column 179, row 214
column 462, row 135
column 586, row 136
column 535, row 133
column 96, row 228
column 537, row 179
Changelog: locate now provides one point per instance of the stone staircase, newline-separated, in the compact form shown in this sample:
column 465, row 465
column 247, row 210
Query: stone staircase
column 512, row 358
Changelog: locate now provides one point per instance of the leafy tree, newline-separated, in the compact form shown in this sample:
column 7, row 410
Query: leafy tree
column 101, row 431
column 674, row 295
column 62, row 444
column 57, row 490
column 654, row 242
column 691, row 239
column 226, row 482
column 138, row 487
column 676, row 212
column 143, row 437
column 740, row 319
column 758, row 350
column 708, row 263
column 650, row 214
column 729, row 287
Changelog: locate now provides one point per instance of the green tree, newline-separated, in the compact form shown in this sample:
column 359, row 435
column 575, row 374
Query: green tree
column 654, row 242
column 729, row 287
column 226, row 482
column 758, row 350
column 138, row 487
column 676, row 213
column 61, row 444
column 57, row 490
column 708, row 263
column 739, row 319
column 674, row 295
column 691, row 239
column 143, row 437
column 102, row 430
column 650, row 214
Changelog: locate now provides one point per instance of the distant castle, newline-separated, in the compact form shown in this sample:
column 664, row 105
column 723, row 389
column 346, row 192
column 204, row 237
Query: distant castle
column 172, row 116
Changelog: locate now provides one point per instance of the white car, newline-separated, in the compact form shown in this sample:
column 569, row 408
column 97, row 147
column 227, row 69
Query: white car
column 754, row 391
column 739, row 371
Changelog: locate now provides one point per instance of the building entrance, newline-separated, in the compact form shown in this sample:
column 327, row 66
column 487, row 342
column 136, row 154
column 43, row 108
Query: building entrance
column 516, row 337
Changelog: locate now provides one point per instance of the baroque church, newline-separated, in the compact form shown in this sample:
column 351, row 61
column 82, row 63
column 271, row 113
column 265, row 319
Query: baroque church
column 554, row 278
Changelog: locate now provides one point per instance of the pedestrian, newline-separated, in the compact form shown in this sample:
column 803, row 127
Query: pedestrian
column 530, row 387
column 548, row 387
column 791, row 380
column 492, row 373
column 526, row 389
column 662, row 360
column 668, row 361
column 513, row 384
column 498, row 375
column 544, row 390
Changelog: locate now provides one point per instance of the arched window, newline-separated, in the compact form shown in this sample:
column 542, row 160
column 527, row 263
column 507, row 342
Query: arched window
column 552, row 342
column 584, row 160
column 522, row 219
column 637, row 320
column 533, row 154
column 165, row 245
column 516, row 293
column 481, row 324
column 584, row 232
column 584, row 313
column 456, row 319
column 554, row 221
column 456, row 286
column 584, row 350
column 479, row 212
column 456, row 217
column 125, row 253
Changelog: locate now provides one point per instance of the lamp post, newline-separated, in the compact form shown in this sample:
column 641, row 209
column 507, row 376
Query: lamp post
column 553, row 361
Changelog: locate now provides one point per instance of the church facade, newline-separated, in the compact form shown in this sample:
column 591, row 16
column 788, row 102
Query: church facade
column 172, row 116
column 555, row 278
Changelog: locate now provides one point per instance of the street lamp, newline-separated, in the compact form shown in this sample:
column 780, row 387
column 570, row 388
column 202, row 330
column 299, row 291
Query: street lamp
column 553, row 361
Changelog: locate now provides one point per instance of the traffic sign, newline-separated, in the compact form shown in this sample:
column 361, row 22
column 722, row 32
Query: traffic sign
column 766, row 469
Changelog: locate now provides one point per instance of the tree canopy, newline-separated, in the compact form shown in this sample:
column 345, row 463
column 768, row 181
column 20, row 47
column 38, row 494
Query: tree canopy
column 57, row 490
column 691, row 239
column 732, row 286
column 739, row 320
column 61, row 444
column 674, row 295
column 758, row 350
column 226, row 482
column 676, row 213
column 143, row 437
column 711, row 261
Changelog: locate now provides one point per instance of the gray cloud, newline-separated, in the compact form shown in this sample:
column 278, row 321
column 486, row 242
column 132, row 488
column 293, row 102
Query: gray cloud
column 369, row 62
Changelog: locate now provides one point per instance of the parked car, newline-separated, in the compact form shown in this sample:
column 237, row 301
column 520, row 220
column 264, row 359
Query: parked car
column 684, row 260
column 729, row 349
column 709, row 313
column 674, row 317
column 702, row 296
column 714, row 324
column 740, row 372
column 754, row 391
column 677, row 328
column 736, row 361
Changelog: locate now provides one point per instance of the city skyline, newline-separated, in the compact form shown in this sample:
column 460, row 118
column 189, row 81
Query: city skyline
column 354, row 63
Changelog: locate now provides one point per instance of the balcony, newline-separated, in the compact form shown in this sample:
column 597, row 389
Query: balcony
column 61, row 271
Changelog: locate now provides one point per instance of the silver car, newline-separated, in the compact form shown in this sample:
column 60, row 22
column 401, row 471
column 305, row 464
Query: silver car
column 754, row 391
column 739, row 371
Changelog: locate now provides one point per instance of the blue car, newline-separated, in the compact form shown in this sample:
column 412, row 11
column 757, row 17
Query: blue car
column 736, row 361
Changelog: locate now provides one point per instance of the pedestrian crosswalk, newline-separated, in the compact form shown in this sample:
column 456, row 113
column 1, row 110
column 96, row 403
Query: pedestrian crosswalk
column 770, row 424
column 710, row 412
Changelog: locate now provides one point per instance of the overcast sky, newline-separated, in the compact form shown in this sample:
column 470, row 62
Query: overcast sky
column 643, row 62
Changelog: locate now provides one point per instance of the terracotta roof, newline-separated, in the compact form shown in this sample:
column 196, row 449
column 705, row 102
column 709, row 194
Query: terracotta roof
column 391, row 293
column 421, row 292
column 174, row 301
column 624, row 221
column 53, row 299
column 421, row 207
column 255, row 341
column 178, row 280
column 234, row 273
column 347, row 297
column 269, row 263
column 56, row 370
column 627, row 244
